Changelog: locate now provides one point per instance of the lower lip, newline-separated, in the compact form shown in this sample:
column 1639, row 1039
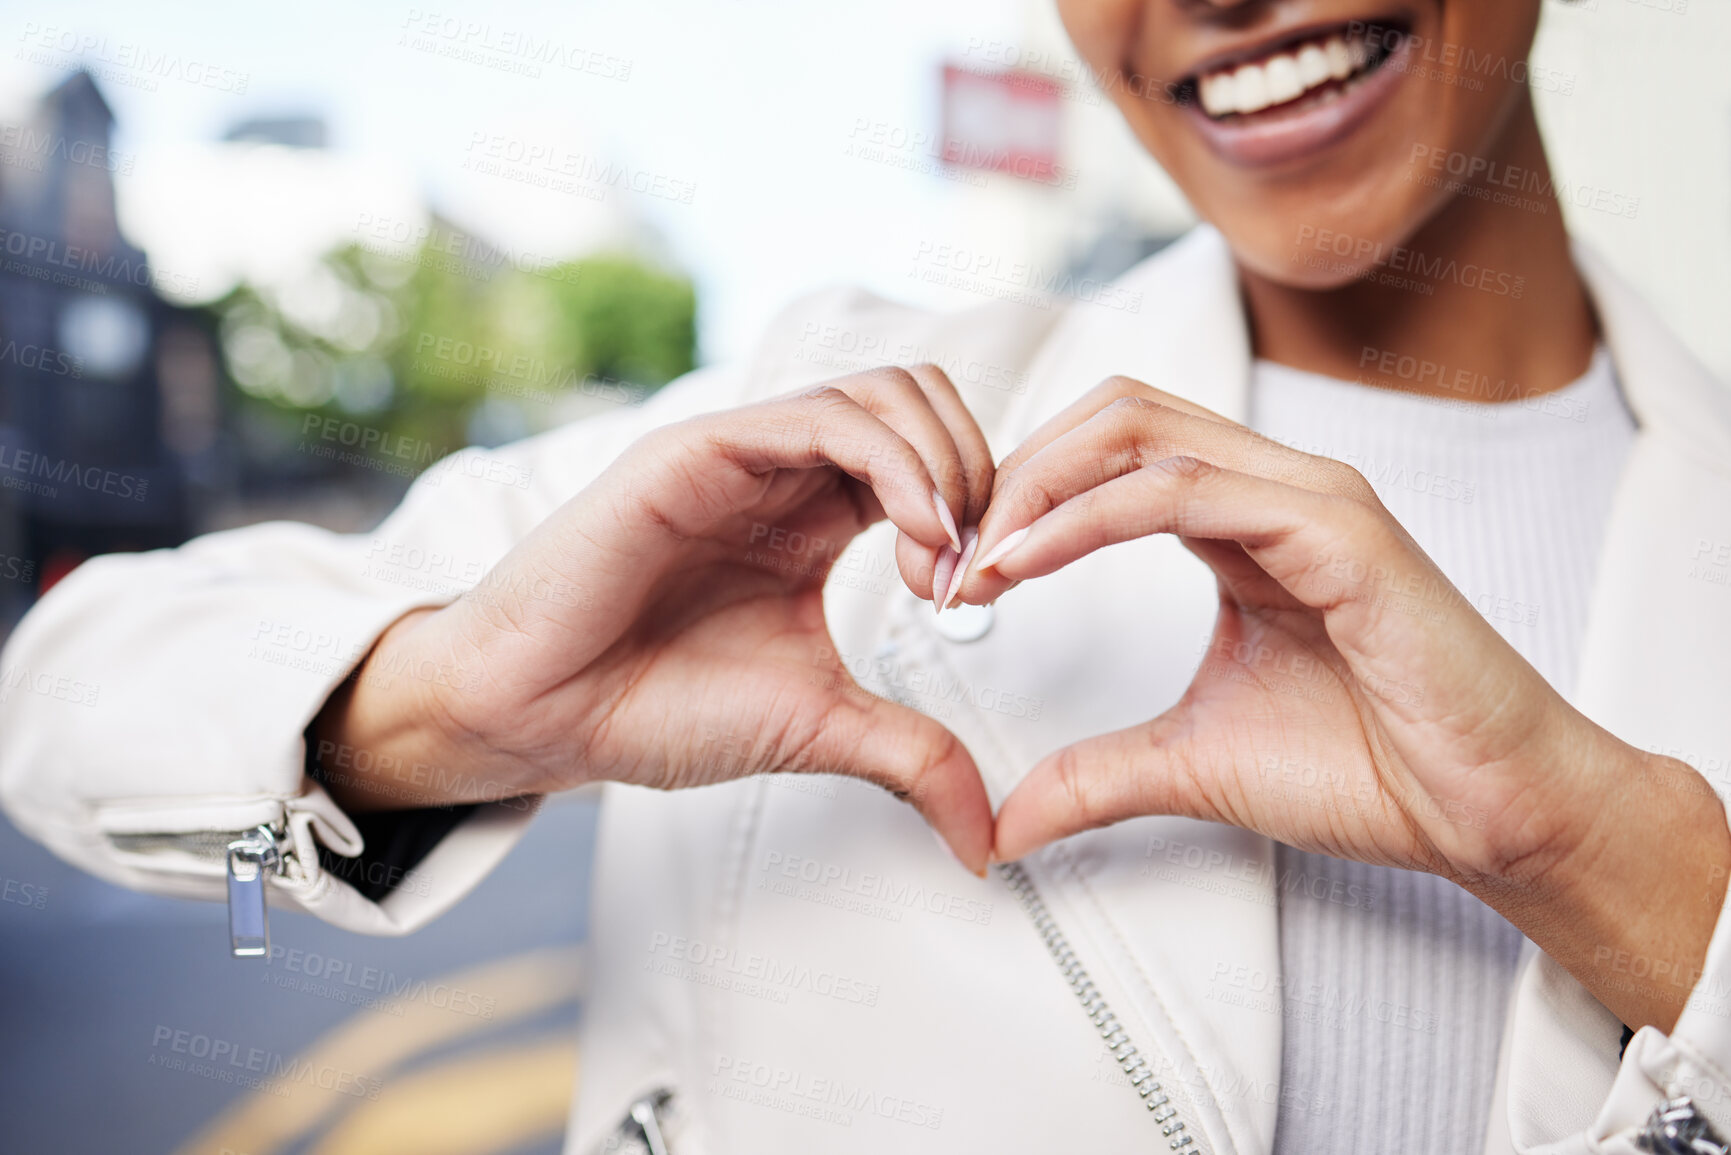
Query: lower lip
column 1267, row 139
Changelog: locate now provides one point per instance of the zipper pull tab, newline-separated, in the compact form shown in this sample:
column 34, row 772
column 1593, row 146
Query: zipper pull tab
column 249, row 856
column 645, row 1112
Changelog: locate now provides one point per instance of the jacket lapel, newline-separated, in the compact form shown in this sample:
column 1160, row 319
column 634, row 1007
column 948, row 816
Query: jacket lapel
column 1182, row 331
column 1653, row 667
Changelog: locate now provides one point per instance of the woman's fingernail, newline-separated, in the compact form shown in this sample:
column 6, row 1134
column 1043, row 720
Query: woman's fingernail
column 944, row 515
column 1004, row 548
column 970, row 539
column 946, row 565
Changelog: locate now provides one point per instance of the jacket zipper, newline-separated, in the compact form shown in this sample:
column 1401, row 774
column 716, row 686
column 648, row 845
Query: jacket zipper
column 1112, row 1032
column 646, row 1115
column 248, row 856
column 642, row 1120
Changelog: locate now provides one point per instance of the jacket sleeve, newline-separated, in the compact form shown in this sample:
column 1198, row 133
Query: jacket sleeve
column 153, row 705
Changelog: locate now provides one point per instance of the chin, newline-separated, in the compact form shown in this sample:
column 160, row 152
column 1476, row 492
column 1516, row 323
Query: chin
column 1323, row 233
column 1320, row 250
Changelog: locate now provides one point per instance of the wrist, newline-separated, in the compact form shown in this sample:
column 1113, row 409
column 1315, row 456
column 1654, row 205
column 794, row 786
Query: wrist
column 1631, row 907
column 385, row 740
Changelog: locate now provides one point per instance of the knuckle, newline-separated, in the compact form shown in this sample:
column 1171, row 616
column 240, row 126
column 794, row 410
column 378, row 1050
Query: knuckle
column 1349, row 482
column 1370, row 534
column 892, row 377
column 826, row 394
column 919, row 783
column 664, row 440
column 1022, row 498
column 678, row 448
column 924, row 372
column 1182, row 468
column 1136, row 412
column 1072, row 781
column 1119, row 385
column 1373, row 526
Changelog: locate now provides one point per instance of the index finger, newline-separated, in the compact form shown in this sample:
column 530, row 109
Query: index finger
column 1090, row 403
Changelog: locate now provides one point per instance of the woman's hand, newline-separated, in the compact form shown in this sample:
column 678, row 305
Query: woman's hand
column 1351, row 701
column 698, row 650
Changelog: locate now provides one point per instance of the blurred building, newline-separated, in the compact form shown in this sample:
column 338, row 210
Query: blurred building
column 108, row 393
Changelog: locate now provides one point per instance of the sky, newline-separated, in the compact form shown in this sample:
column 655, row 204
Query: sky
column 734, row 117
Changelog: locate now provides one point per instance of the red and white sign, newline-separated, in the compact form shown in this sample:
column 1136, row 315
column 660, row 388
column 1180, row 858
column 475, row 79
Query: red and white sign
column 1001, row 121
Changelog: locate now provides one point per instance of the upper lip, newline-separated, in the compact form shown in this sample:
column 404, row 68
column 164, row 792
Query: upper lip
column 1270, row 43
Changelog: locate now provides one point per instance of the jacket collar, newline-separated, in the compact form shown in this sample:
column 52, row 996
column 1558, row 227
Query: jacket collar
column 1663, row 384
column 1183, row 329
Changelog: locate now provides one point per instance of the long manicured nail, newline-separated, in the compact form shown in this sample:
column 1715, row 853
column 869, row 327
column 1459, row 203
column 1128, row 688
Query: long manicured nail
column 944, row 515
column 946, row 566
column 970, row 539
column 1004, row 548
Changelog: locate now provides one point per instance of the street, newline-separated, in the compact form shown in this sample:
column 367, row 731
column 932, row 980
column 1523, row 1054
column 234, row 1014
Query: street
column 129, row 1029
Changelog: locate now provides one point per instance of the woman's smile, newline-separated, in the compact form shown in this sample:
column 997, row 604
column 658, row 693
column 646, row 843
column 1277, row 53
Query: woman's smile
column 1292, row 94
column 1277, row 115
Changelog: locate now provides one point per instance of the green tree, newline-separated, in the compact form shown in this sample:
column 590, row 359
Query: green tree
column 415, row 346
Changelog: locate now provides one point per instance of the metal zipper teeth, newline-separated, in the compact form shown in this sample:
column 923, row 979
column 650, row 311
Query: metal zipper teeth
column 1112, row 1033
column 211, row 844
column 206, row 844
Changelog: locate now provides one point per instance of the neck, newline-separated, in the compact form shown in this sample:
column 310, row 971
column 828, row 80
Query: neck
column 1512, row 320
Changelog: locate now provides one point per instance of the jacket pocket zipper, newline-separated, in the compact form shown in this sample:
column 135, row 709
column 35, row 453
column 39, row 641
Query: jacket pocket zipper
column 248, row 856
column 1112, row 1032
column 640, row 1131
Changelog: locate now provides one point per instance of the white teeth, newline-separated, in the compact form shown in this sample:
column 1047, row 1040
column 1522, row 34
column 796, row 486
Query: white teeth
column 1281, row 78
column 1219, row 94
column 1281, row 73
column 1339, row 59
column 1251, row 87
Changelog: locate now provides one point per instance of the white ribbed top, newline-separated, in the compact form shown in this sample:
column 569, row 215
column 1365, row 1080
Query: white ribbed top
column 1395, row 1006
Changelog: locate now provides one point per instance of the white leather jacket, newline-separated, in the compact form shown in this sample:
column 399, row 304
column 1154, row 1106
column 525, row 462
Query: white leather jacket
column 795, row 958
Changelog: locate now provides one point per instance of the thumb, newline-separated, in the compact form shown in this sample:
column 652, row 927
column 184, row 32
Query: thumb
column 917, row 759
column 1094, row 783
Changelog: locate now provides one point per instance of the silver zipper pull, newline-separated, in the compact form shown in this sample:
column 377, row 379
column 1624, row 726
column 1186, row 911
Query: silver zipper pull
column 249, row 856
column 645, row 1112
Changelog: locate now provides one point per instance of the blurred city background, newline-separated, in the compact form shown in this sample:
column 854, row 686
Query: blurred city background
column 272, row 263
